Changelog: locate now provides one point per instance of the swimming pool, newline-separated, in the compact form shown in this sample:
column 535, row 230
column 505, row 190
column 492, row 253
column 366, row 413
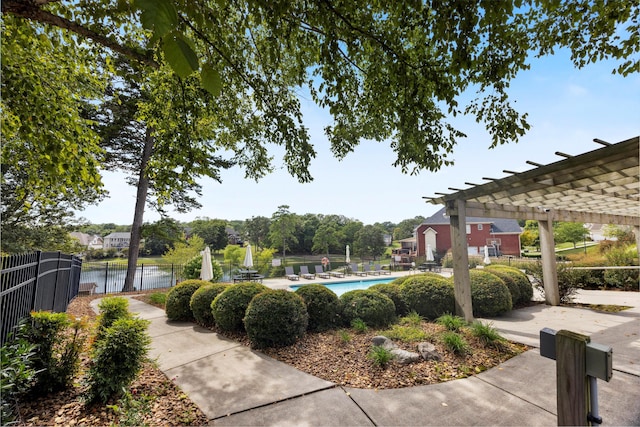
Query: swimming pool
column 340, row 288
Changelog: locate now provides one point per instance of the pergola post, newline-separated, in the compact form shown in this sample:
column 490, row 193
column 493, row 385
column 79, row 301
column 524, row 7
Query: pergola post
column 636, row 231
column 549, row 269
column 461, row 280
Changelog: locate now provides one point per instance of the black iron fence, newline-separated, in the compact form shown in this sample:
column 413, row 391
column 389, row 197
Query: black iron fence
column 108, row 277
column 36, row 281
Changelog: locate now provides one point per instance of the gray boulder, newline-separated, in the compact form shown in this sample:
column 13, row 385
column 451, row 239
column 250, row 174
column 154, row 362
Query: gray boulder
column 384, row 342
column 405, row 357
column 428, row 351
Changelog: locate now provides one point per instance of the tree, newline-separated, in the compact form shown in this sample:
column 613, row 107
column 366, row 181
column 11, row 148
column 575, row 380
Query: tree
column 184, row 250
column 569, row 232
column 213, row 231
column 257, row 229
column 233, row 254
column 369, row 242
column 282, row 230
column 326, row 236
column 405, row 228
column 161, row 235
column 396, row 71
column 50, row 156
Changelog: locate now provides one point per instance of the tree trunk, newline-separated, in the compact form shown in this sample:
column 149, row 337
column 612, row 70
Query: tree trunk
column 141, row 200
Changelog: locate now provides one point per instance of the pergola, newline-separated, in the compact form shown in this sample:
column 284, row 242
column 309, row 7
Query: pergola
column 601, row 186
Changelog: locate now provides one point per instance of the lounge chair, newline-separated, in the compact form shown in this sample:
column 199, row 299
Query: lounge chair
column 321, row 273
column 355, row 270
column 288, row 271
column 379, row 269
column 337, row 273
column 367, row 269
column 304, row 272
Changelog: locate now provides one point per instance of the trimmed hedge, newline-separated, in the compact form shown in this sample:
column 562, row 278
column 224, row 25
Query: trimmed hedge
column 178, row 302
column 372, row 307
column 525, row 288
column 489, row 294
column 229, row 307
column 275, row 318
column 429, row 294
column 201, row 300
column 323, row 306
column 392, row 290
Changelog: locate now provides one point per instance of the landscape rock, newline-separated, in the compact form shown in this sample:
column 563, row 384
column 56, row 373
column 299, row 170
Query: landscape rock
column 384, row 342
column 405, row 357
column 428, row 351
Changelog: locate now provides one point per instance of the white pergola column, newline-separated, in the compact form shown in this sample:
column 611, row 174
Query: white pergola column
column 461, row 281
column 636, row 231
column 549, row 270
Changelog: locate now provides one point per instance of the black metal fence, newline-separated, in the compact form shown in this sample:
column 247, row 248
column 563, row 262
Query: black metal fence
column 36, row 281
column 108, row 277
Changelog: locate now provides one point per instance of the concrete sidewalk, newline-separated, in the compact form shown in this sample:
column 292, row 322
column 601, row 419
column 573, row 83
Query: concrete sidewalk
column 234, row 385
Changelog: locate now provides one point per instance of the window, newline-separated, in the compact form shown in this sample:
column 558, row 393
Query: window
column 468, row 228
column 479, row 227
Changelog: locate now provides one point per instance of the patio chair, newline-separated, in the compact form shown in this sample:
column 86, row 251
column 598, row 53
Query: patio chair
column 379, row 269
column 304, row 272
column 355, row 270
column 321, row 273
column 367, row 269
column 337, row 273
column 288, row 272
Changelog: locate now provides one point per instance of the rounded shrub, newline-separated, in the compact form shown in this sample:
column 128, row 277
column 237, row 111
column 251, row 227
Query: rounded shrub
column 229, row 307
column 372, row 307
column 392, row 290
column 111, row 309
column 508, row 280
column 178, row 302
column 201, row 300
column 430, row 295
column 322, row 304
column 489, row 294
column 275, row 318
column 400, row 280
column 525, row 288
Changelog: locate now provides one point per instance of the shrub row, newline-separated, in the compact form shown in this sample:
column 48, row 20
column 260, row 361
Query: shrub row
column 280, row 318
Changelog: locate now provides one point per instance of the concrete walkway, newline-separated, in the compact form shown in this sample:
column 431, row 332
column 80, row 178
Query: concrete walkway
column 234, row 385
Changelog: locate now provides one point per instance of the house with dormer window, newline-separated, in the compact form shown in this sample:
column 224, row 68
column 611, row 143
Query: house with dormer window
column 503, row 235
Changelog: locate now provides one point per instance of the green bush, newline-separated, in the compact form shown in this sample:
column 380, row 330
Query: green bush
column 430, row 295
column 191, row 269
column 626, row 280
column 359, row 325
column 405, row 333
column 392, row 290
column 489, row 295
column 399, row 280
column 111, row 309
column 178, row 306
column 18, row 374
column 569, row 280
column 275, row 318
column 374, row 308
column 59, row 341
column 201, row 300
column 323, row 306
column 230, row 306
column 512, row 275
column 117, row 358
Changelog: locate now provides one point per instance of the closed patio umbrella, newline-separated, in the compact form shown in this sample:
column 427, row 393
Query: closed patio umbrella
column 486, row 255
column 347, row 259
column 206, row 270
column 248, row 258
column 430, row 257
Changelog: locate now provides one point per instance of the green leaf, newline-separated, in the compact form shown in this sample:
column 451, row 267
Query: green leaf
column 159, row 16
column 210, row 79
column 180, row 55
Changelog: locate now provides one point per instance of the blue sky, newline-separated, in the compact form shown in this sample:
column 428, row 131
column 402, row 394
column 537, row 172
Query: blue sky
column 567, row 108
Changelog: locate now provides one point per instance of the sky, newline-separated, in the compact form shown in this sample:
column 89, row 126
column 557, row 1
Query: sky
column 567, row 108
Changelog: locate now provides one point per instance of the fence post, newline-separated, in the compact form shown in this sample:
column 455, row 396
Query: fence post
column 141, row 274
column 571, row 375
column 106, row 276
column 172, row 275
column 37, row 277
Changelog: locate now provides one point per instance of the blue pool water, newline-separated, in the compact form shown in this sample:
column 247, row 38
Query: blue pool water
column 340, row 288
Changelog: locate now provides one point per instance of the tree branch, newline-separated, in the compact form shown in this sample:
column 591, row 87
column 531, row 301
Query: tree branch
column 31, row 10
